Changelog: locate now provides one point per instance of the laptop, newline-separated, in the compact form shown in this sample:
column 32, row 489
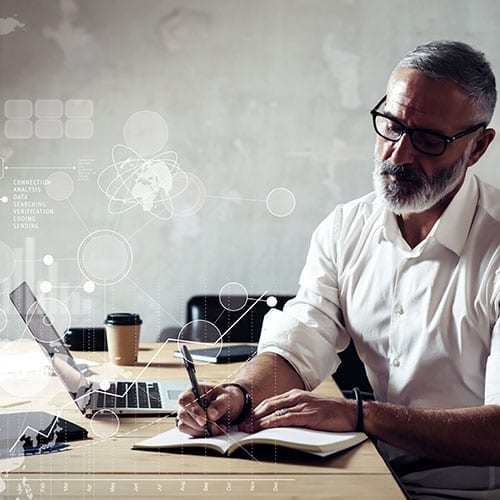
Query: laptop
column 91, row 396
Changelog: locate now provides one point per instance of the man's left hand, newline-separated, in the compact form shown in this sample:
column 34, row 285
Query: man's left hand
column 297, row 408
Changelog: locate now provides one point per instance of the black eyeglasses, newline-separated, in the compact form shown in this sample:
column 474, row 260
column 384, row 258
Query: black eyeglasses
column 426, row 141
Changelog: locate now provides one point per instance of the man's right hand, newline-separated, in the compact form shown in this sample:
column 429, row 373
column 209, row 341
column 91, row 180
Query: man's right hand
column 224, row 406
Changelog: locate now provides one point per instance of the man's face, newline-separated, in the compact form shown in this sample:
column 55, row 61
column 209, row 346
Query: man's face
column 410, row 181
column 407, row 189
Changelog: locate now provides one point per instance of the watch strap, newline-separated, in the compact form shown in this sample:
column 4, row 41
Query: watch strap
column 247, row 405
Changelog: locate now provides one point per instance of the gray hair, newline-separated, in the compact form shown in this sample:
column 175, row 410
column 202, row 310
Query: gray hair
column 461, row 64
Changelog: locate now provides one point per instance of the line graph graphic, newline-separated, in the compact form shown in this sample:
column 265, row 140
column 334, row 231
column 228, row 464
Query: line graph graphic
column 35, row 309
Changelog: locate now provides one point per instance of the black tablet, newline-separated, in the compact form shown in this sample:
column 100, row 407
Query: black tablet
column 226, row 354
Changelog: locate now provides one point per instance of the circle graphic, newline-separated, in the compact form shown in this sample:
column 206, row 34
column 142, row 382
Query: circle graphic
column 57, row 319
column 105, row 257
column 48, row 260
column 233, row 296
column 19, row 376
column 7, row 262
column 105, row 424
column 3, row 320
column 200, row 334
column 280, row 202
column 146, row 132
column 60, row 186
column 89, row 287
column 272, row 301
column 104, row 385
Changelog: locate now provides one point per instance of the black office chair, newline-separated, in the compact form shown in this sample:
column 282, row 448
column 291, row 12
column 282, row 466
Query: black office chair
column 234, row 315
column 351, row 372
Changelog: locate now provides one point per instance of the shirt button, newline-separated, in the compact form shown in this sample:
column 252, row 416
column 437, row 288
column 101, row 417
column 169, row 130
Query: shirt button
column 396, row 363
column 399, row 309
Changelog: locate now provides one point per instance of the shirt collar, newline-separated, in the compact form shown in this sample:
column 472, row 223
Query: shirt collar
column 390, row 229
column 452, row 228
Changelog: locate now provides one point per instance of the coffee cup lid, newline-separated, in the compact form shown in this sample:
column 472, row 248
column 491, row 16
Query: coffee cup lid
column 123, row 319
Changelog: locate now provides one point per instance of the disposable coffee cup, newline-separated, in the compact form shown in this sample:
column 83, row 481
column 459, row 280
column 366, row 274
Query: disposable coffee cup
column 122, row 333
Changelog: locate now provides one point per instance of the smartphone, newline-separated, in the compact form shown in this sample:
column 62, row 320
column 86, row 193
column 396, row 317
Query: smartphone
column 226, row 354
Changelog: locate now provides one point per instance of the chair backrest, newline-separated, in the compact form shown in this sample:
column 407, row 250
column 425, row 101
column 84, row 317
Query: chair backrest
column 247, row 323
column 351, row 372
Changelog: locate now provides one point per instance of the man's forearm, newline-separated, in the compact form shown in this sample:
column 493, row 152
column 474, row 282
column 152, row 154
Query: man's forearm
column 468, row 435
column 268, row 374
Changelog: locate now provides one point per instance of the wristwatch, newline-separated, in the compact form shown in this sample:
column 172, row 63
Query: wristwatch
column 247, row 405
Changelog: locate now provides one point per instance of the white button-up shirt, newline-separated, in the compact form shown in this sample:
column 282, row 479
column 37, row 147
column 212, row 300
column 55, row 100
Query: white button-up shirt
column 425, row 320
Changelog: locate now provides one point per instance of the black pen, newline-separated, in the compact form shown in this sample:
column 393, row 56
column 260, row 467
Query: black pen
column 189, row 364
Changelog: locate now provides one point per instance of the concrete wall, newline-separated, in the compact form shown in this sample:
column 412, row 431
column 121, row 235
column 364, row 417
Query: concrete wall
column 258, row 108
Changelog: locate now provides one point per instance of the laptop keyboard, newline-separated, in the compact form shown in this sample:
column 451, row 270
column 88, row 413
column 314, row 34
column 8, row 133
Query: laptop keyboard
column 140, row 395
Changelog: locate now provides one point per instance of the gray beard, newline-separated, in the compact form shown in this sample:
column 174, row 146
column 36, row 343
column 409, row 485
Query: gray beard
column 421, row 192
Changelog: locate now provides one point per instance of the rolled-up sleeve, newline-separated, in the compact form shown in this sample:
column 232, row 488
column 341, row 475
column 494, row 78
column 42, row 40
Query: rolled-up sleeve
column 309, row 331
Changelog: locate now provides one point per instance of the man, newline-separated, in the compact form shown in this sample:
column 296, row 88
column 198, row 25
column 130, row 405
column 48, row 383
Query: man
column 410, row 273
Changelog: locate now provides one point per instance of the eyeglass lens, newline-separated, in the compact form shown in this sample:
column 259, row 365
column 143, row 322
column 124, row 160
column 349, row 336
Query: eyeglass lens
column 425, row 142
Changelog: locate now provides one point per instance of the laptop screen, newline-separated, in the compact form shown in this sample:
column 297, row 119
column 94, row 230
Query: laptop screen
column 41, row 328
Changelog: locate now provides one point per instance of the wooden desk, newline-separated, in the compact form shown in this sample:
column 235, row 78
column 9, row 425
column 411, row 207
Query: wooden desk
column 106, row 466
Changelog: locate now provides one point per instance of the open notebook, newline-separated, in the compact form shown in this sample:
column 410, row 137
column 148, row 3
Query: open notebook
column 318, row 443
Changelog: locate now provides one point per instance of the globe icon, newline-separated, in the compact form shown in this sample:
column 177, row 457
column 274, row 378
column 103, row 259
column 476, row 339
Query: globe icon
column 150, row 183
